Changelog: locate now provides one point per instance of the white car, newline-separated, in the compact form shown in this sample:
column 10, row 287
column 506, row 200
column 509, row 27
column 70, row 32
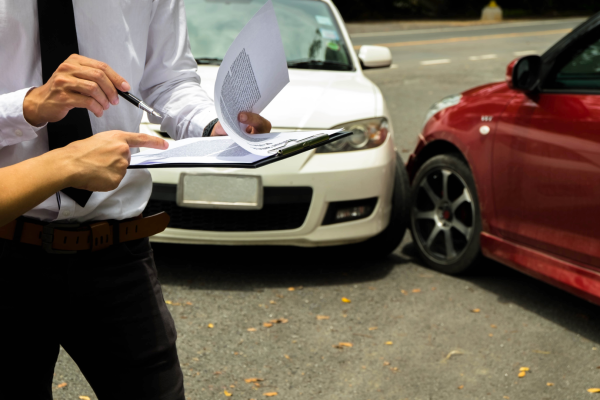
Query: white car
column 351, row 191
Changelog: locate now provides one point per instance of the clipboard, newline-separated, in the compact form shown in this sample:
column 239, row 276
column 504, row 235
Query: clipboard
column 281, row 154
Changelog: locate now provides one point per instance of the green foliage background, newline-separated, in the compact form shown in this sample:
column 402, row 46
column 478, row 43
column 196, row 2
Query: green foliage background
column 354, row 10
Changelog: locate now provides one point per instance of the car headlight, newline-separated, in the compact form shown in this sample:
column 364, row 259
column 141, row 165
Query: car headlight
column 366, row 134
column 441, row 105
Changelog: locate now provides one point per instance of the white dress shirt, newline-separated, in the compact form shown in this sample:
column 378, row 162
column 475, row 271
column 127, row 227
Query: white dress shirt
column 146, row 42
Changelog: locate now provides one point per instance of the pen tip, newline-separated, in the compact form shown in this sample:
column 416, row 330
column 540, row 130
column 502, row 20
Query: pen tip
column 156, row 114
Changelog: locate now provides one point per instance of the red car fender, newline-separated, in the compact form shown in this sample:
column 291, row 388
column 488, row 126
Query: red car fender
column 469, row 128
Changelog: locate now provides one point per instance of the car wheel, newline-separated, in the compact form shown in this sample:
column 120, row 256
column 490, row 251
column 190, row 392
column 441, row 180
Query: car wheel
column 381, row 245
column 445, row 218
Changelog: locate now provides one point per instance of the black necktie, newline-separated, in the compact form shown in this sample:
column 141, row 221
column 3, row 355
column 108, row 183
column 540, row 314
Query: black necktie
column 58, row 40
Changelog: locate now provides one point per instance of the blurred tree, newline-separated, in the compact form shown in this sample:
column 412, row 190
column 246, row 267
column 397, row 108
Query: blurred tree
column 354, row 10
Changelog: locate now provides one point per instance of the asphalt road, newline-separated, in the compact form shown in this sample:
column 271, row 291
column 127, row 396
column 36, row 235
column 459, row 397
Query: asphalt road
column 413, row 332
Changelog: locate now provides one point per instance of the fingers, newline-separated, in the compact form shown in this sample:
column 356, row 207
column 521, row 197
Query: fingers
column 143, row 140
column 76, row 100
column 117, row 80
column 258, row 123
column 90, row 89
column 101, row 79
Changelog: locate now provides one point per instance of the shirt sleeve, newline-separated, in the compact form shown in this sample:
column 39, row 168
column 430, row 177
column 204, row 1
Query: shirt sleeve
column 14, row 128
column 170, row 83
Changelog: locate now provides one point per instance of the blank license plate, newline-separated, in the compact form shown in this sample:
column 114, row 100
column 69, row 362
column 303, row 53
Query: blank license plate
column 220, row 191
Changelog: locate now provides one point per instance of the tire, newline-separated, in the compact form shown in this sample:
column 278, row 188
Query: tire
column 384, row 243
column 445, row 224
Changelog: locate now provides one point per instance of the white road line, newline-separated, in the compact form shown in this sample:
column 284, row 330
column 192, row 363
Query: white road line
column 467, row 28
column 435, row 62
column 484, row 57
column 525, row 52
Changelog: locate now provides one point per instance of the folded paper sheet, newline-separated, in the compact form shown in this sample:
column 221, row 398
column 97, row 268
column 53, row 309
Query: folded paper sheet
column 252, row 73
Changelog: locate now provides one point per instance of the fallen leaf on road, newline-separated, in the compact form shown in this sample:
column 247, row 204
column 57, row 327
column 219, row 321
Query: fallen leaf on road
column 211, row 326
column 594, row 390
column 491, row 335
column 84, row 397
column 62, row 385
column 493, row 326
column 286, row 356
column 279, row 321
column 549, row 384
column 231, row 386
column 403, row 291
column 432, row 288
column 345, row 300
column 188, row 303
column 251, row 329
column 322, row 317
column 267, row 324
column 272, row 302
column 526, row 369
column 395, row 369
column 475, row 310
column 256, row 384
column 452, row 353
column 168, row 302
column 386, row 363
column 522, row 374
column 373, row 328
column 291, row 289
column 226, row 393
column 270, row 394
column 341, row 345
column 416, row 290
column 461, row 386
column 176, row 304
column 251, row 380
column 389, row 343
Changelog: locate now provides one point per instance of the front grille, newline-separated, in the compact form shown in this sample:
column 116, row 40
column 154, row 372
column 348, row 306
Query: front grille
column 284, row 208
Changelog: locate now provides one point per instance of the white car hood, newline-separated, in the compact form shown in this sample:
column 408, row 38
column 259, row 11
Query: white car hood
column 315, row 99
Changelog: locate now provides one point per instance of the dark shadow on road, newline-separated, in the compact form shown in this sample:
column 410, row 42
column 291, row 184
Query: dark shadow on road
column 256, row 268
column 549, row 302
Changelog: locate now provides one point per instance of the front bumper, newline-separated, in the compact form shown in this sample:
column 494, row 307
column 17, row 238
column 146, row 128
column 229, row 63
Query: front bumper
column 333, row 177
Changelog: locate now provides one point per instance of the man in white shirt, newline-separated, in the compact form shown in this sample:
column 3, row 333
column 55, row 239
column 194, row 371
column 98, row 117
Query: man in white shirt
column 101, row 302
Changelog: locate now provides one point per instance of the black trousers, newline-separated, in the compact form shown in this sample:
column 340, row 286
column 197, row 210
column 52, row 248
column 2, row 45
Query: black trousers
column 106, row 309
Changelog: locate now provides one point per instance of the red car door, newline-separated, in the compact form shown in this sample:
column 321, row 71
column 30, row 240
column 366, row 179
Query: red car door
column 546, row 161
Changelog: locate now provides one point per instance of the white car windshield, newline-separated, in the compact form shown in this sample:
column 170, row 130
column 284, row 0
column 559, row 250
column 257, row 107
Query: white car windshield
column 310, row 33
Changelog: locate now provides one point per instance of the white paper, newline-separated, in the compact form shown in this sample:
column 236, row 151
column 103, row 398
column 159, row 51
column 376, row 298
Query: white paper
column 252, row 73
column 213, row 150
column 209, row 150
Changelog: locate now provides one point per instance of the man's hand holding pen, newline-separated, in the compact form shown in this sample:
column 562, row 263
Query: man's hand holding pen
column 82, row 82
column 79, row 82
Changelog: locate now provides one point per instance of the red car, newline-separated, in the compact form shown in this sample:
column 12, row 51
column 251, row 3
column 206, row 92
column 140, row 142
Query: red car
column 511, row 170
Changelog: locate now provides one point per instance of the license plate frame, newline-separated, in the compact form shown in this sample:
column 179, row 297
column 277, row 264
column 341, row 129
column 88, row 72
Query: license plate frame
column 220, row 191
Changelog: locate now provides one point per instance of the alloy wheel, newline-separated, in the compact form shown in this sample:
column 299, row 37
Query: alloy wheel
column 443, row 215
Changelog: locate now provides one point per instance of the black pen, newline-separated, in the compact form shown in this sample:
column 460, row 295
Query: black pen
column 138, row 103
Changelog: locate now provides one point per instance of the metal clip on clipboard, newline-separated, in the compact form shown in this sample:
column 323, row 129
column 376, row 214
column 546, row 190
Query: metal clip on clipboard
column 301, row 145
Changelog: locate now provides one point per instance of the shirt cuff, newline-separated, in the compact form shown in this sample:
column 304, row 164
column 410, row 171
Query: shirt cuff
column 14, row 128
column 202, row 120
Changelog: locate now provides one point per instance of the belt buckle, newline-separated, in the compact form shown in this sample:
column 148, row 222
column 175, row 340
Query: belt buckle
column 48, row 237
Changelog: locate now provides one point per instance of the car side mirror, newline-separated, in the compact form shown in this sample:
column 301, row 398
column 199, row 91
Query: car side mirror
column 375, row 56
column 524, row 73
